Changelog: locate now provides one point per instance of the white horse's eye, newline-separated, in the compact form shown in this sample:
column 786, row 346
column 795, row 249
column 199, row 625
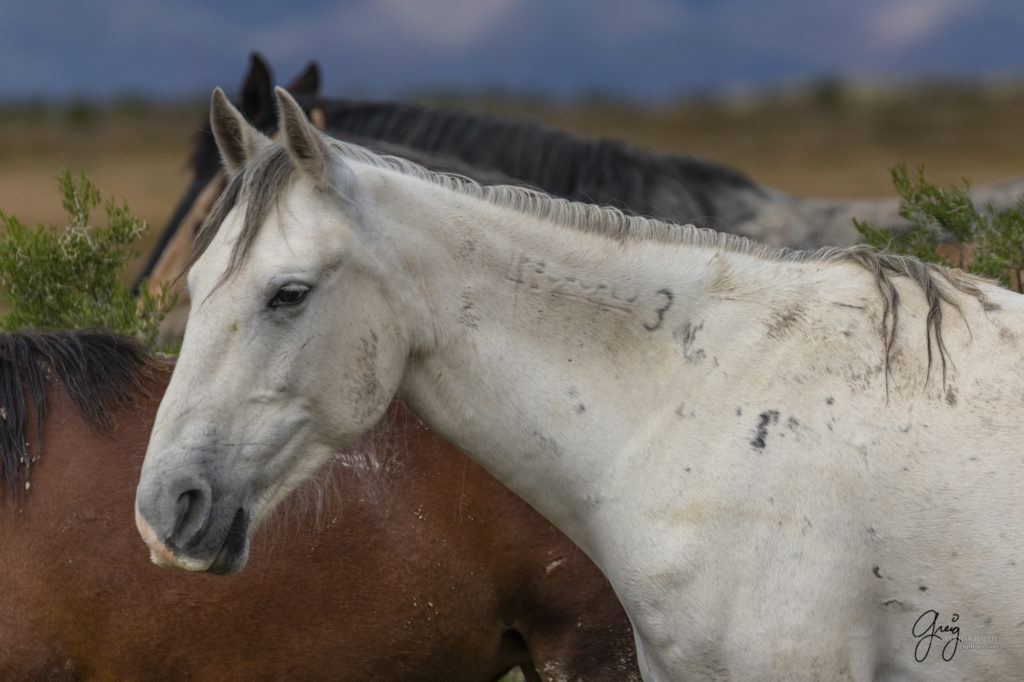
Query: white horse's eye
column 289, row 294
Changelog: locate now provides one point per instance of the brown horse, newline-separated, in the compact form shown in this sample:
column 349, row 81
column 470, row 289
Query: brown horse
column 422, row 567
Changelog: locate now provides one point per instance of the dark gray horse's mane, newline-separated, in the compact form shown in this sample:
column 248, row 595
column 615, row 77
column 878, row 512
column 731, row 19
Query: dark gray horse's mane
column 99, row 370
column 592, row 170
column 264, row 180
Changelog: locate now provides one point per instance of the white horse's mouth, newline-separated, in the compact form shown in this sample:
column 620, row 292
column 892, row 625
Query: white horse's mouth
column 235, row 551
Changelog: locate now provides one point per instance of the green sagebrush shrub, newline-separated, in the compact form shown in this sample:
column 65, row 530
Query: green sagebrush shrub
column 982, row 241
column 72, row 277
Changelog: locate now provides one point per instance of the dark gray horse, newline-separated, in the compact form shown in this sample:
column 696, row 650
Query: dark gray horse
column 680, row 189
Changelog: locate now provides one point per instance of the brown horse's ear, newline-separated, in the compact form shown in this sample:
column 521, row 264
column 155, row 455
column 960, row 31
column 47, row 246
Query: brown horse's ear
column 237, row 140
column 257, row 102
column 307, row 82
column 304, row 143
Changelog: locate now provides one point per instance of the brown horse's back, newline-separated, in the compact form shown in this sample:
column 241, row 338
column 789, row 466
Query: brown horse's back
column 422, row 567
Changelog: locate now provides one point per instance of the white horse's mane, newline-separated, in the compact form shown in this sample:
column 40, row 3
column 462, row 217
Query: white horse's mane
column 267, row 176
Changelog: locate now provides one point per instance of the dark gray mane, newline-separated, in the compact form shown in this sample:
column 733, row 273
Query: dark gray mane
column 99, row 370
column 264, row 180
column 599, row 171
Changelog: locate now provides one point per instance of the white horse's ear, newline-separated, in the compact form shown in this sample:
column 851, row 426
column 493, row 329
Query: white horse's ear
column 302, row 140
column 237, row 140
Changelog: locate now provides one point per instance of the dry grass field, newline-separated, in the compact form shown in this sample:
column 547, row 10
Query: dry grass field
column 821, row 141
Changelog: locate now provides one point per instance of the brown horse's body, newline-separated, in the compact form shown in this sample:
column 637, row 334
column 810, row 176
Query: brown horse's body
column 422, row 567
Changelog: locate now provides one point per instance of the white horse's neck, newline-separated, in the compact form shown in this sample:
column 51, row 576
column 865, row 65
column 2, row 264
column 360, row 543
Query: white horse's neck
column 554, row 354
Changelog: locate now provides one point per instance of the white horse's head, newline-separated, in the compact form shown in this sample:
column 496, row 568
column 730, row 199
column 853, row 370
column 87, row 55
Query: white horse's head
column 290, row 299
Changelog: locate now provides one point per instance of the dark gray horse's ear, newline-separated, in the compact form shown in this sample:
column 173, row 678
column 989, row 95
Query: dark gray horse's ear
column 237, row 140
column 257, row 100
column 307, row 82
column 304, row 143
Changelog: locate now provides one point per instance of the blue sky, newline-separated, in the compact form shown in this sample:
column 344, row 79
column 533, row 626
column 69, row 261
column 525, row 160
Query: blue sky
column 645, row 49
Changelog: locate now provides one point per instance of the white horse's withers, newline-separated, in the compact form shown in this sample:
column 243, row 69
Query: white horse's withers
column 787, row 464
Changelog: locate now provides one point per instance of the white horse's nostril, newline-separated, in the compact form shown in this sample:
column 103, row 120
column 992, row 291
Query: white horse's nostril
column 158, row 552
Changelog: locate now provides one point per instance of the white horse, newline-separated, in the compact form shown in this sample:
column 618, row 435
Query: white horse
column 787, row 464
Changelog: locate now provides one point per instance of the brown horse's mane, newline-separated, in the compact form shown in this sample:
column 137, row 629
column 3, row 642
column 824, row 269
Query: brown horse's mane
column 99, row 370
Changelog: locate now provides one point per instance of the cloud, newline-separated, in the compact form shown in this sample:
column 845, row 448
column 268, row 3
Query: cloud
column 380, row 26
column 903, row 24
column 614, row 22
column 450, row 25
